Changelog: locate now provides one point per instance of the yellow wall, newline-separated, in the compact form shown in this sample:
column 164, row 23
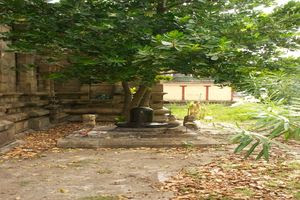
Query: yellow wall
column 196, row 91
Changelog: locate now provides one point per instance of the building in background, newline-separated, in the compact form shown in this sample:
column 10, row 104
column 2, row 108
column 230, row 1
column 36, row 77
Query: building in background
column 188, row 88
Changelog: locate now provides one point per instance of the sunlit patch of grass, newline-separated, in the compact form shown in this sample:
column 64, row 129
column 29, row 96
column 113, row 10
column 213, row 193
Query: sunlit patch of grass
column 179, row 110
column 219, row 112
column 272, row 184
column 294, row 165
column 245, row 191
column 297, row 195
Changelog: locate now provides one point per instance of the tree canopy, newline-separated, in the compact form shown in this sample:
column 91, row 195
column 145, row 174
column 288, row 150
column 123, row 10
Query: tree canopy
column 231, row 41
column 135, row 40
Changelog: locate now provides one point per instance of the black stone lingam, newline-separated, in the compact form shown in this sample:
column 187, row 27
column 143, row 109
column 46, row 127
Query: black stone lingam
column 141, row 117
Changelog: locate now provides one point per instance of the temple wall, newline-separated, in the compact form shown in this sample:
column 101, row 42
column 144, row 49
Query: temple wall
column 105, row 100
column 22, row 107
column 29, row 101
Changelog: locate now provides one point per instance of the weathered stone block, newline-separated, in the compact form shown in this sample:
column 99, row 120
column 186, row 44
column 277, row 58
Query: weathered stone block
column 21, row 126
column 89, row 120
column 5, row 125
column 75, row 118
column 6, row 137
column 117, row 99
column 38, row 113
column 158, row 88
column 17, row 117
column 6, row 132
column 39, row 123
column 156, row 106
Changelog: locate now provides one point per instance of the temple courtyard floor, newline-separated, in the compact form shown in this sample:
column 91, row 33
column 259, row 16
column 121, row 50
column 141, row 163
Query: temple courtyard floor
column 36, row 169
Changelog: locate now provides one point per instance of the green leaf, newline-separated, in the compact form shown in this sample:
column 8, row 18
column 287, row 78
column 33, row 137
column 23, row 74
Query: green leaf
column 214, row 58
column 266, row 149
column 260, row 155
column 250, row 151
column 244, row 143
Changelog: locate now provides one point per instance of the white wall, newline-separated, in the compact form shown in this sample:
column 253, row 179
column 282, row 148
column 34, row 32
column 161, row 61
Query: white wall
column 196, row 91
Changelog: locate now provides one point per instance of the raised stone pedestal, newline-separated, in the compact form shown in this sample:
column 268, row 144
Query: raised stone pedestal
column 116, row 137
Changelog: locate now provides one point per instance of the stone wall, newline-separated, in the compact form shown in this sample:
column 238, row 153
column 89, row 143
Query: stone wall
column 22, row 106
column 28, row 101
column 104, row 100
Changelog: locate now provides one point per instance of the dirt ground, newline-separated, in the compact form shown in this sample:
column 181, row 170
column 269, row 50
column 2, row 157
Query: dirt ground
column 37, row 170
column 80, row 174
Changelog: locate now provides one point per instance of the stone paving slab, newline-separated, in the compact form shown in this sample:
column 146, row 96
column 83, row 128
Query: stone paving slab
column 112, row 137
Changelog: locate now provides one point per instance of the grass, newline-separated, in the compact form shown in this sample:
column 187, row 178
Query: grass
column 248, row 192
column 297, row 195
column 219, row 112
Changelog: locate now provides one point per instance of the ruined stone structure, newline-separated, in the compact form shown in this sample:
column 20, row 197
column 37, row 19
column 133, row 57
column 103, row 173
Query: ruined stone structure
column 29, row 101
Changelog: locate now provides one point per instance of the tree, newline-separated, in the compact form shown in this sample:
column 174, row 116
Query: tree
column 137, row 40
column 280, row 114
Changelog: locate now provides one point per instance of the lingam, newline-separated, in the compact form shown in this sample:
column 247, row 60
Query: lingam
column 142, row 117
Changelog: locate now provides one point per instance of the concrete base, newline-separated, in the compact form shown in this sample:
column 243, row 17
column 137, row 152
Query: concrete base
column 116, row 137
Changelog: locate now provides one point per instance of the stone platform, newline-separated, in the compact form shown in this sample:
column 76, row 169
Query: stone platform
column 116, row 137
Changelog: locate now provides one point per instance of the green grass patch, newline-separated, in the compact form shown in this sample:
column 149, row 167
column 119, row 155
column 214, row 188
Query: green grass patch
column 219, row 112
column 297, row 195
column 245, row 192
column 294, row 165
column 179, row 110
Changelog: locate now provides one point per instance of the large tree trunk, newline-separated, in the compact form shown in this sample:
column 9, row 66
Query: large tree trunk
column 127, row 100
column 145, row 102
column 140, row 98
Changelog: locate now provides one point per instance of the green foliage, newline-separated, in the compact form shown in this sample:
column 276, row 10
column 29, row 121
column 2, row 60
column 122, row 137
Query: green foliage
column 273, row 121
column 137, row 40
column 179, row 110
column 227, row 46
column 163, row 78
column 279, row 115
column 133, row 90
column 280, row 85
